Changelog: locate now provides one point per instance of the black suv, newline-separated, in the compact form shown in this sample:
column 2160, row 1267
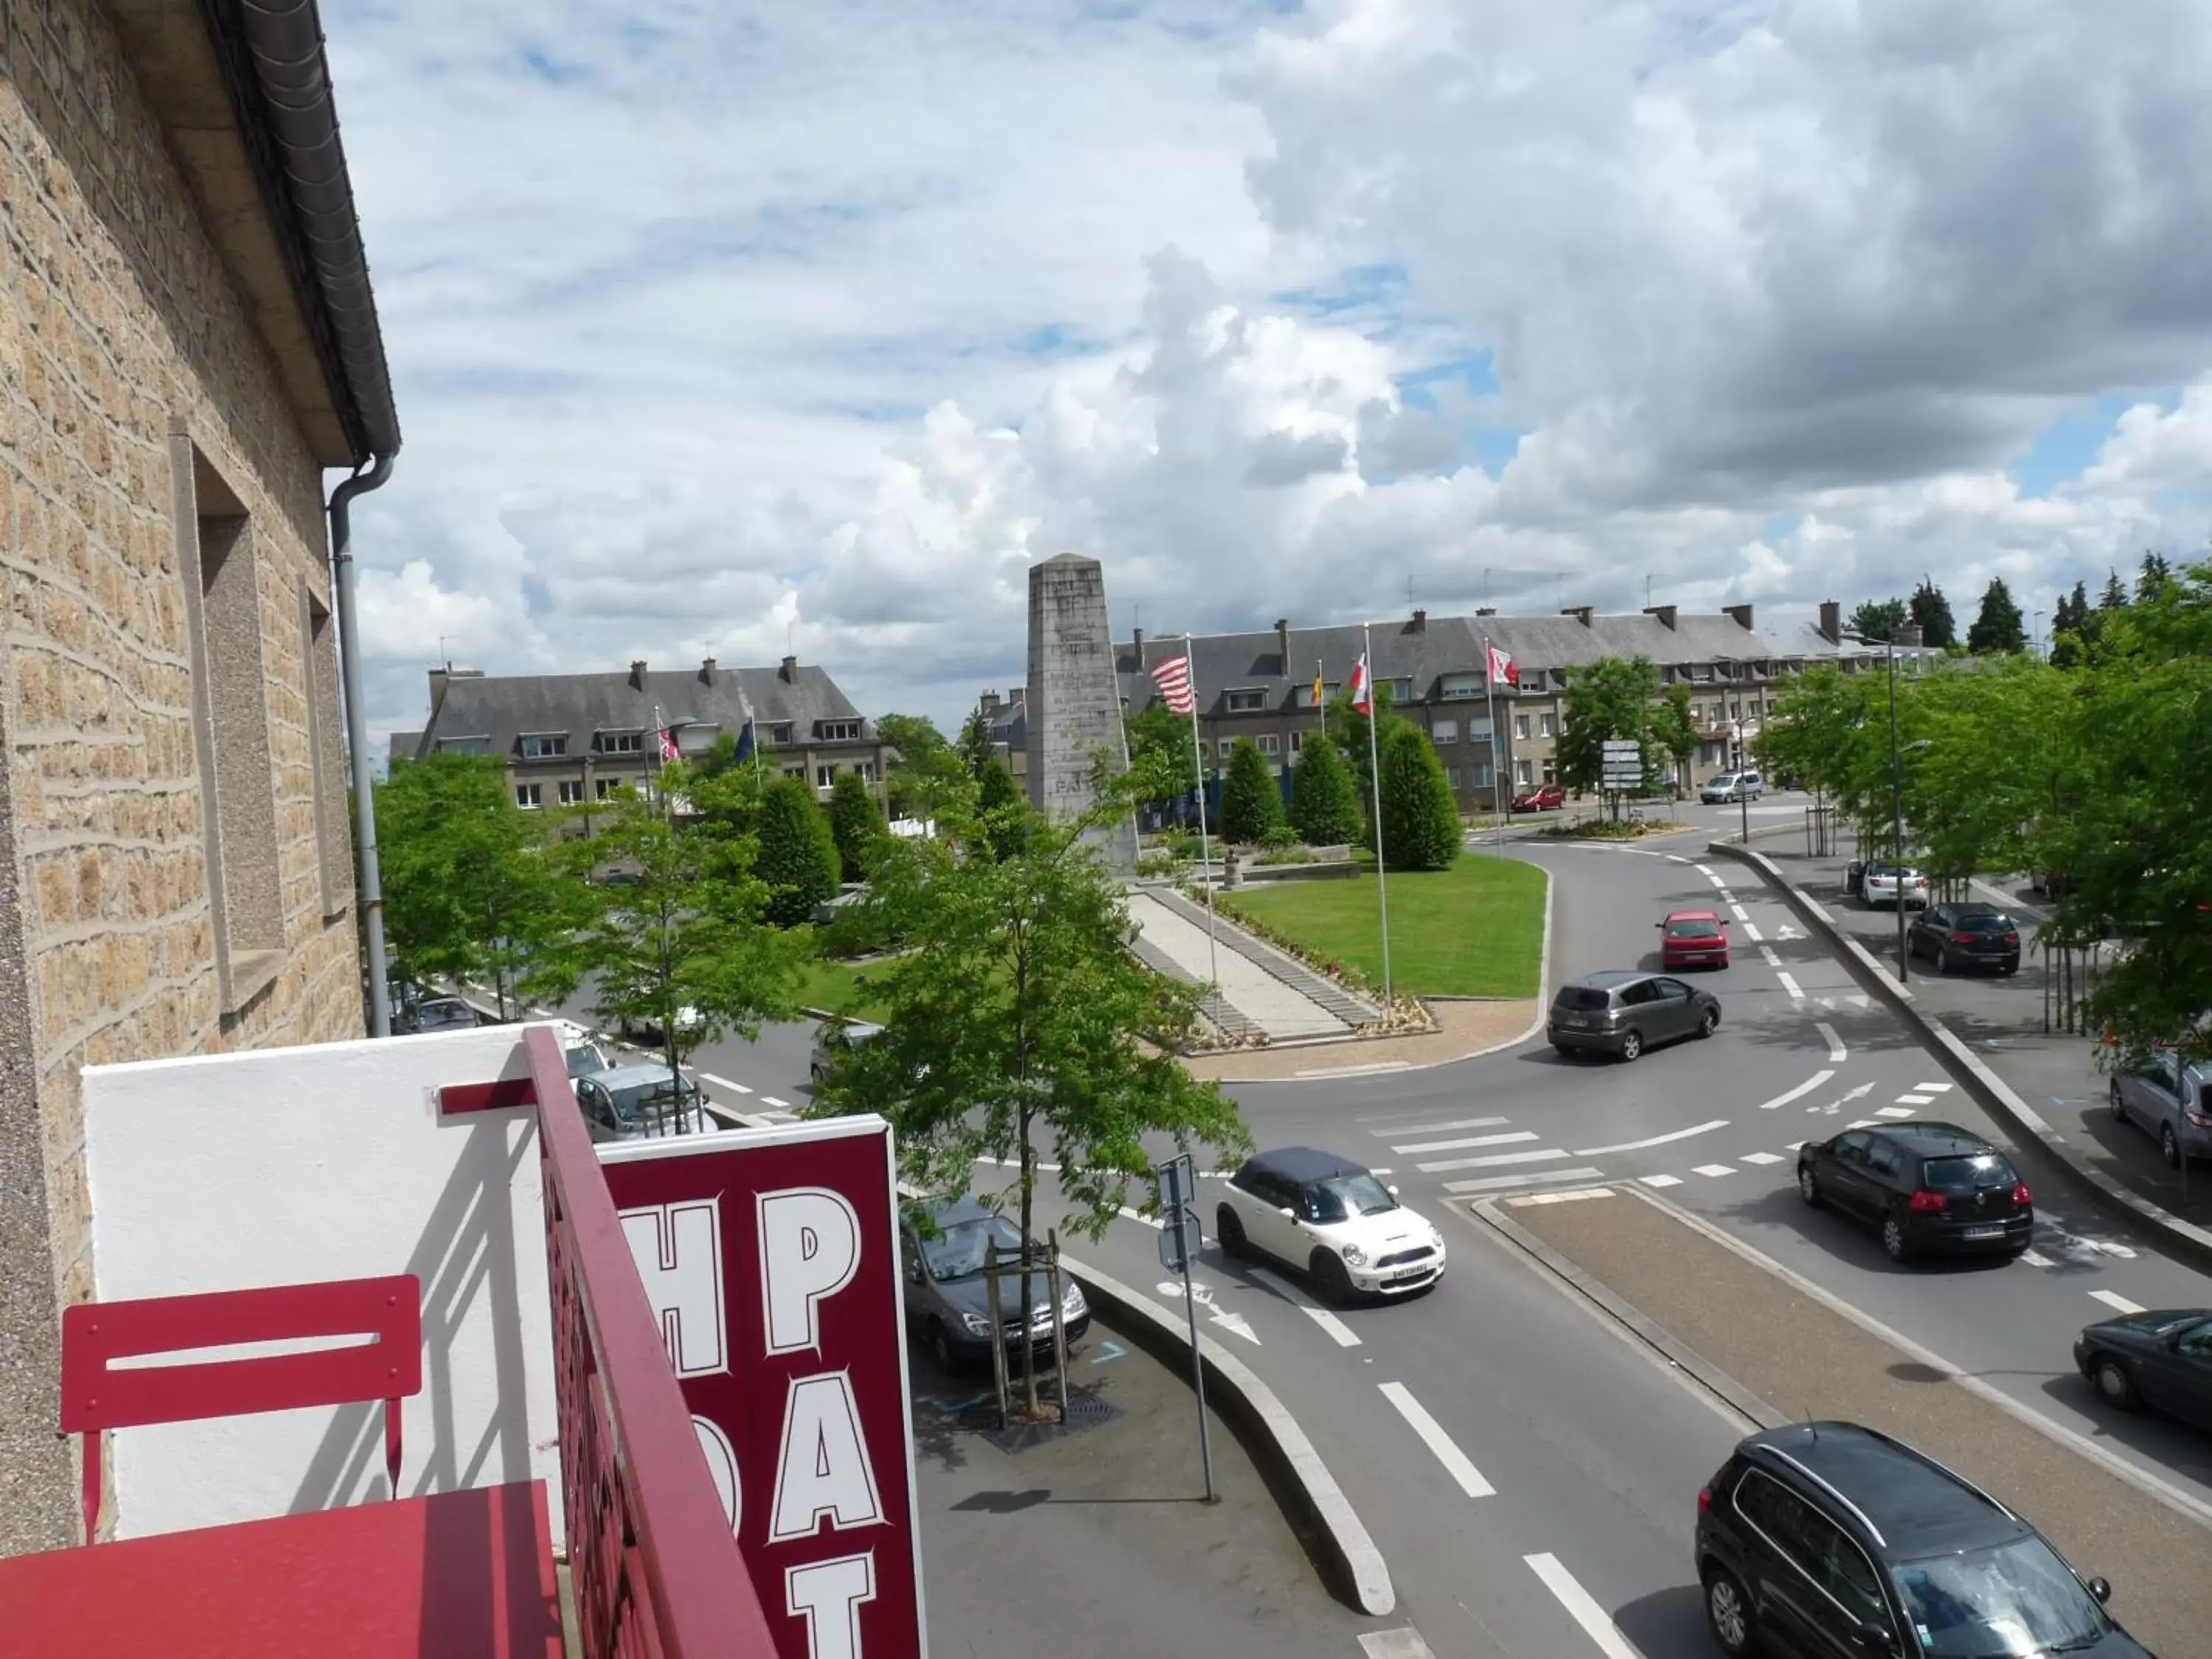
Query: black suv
column 1827, row 1540
column 1929, row 1187
column 1624, row 1012
column 1953, row 936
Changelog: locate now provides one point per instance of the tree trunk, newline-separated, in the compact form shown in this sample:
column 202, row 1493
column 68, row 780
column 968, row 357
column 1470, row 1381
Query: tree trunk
column 1028, row 1348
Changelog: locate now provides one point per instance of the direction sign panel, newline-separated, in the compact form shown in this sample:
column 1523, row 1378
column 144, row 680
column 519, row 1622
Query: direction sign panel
column 1618, row 748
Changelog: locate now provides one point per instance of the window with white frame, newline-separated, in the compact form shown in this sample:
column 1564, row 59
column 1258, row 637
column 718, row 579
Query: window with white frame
column 1520, row 773
column 621, row 743
column 1248, row 702
column 1228, row 747
column 824, row 776
column 1453, row 688
column 545, row 745
column 1547, row 725
column 1521, row 730
column 608, row 785
column 572, row 792
column 839, row 730
column 1270, row 743
column 1402, row 687
column 1445, row 732
column 1451, row 777
column 527, row 795
column 1297, row 741
column 1478, row 775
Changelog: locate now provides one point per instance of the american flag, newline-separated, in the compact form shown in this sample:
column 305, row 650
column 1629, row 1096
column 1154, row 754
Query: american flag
column 1173, row 677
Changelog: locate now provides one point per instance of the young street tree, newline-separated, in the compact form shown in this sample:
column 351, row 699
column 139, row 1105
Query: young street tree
column 1420, row 821
column 1159, row 736
column 1996, row 630
column 1019, row 1028
column 856, row 825
column 1324, row 801
column 1251, row 801
column 1613, row 698
column 797, row 854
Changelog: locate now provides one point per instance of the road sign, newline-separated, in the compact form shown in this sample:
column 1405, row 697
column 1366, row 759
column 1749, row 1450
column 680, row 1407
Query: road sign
column 1176, row 1187
column 1621, row 749
column 1180, row 1239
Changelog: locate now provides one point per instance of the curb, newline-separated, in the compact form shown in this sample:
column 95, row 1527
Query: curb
column 2182, row 1240
column 1695, row 1366
column 1310, row 1499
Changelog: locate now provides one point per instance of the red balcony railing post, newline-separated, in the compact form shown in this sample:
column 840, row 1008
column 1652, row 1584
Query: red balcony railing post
column 657, row 1570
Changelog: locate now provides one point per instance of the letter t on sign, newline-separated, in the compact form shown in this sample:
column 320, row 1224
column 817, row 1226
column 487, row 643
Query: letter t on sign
column 831, row 1594
column 810, row 1248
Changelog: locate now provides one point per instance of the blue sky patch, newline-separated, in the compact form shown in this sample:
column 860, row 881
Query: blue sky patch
column 2063, row 449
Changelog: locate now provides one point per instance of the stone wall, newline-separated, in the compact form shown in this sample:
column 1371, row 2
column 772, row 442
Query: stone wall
column 119, row 326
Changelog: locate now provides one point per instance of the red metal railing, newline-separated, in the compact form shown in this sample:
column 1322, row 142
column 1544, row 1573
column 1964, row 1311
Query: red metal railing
column 657, row 1570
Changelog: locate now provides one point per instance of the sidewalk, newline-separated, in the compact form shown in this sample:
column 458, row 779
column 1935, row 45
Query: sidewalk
column 1267, row 1001
column 2004, row 1021
column 1464, row 1030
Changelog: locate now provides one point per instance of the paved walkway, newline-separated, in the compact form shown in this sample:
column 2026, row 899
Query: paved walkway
column 1250, row 990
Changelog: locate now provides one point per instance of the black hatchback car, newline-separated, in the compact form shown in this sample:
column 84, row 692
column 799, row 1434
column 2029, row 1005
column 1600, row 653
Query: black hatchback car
column 1955, row 936
column 1624, row 1012
column 1824, row 1539
column 1930, row 1187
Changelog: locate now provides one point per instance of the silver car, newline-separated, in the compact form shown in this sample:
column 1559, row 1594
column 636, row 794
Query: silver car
column 2170, row 1101
column 637, row 1103
column 832, row 1038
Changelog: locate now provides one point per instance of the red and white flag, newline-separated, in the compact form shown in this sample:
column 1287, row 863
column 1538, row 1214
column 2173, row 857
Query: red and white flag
column 1501, row 667
column 1173, row 677
column 1362, row 692
column 668, row 736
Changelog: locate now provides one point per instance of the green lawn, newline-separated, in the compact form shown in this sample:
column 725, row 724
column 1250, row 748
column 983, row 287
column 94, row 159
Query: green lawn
column 1476, row 929
column 832, row 984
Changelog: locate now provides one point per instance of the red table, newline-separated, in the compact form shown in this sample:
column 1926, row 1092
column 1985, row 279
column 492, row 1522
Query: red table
column 465, row 1575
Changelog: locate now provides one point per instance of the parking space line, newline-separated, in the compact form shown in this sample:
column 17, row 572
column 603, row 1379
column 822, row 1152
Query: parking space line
column 1653, row 1140
column 1803, row 1089
column 1582, row 1607
column 1543, row 1155
column 1338, row 1332
column 2117, row 1303
column 722, row 1083
column 1455, row 1461
column 1506, row 1138
column 1837, row 1052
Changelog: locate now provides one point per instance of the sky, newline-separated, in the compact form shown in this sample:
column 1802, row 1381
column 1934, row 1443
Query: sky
column 725, row 329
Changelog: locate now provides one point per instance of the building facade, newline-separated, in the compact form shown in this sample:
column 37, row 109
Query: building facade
column 1009, row 720
column 188, row 340
column 1260, row 685
column 572, row 740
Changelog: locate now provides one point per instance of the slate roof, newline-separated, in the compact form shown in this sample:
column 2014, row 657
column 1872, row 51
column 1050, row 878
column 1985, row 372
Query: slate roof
column 1454, row 645
column 501, row 708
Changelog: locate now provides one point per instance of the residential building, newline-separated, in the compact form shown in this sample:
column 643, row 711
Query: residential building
column 1260, row 685
column 188, row 340
column 571, row 740
column 1009, row 717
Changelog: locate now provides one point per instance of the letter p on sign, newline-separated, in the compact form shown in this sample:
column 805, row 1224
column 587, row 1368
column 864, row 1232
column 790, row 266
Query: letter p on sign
column 810, row 1248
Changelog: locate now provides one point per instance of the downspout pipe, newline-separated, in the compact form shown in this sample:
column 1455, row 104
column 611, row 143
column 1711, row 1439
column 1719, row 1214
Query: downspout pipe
column 370, row 877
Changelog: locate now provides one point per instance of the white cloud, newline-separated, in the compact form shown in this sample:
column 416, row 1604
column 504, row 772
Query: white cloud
column 2152, row 449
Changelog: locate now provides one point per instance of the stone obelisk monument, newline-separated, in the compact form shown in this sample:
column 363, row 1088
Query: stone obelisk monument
column 1075, row 698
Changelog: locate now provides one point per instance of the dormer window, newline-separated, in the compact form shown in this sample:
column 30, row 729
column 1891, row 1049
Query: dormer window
column 839, row 730
column 621, row 743
column 1248, row 702
column 545, row 745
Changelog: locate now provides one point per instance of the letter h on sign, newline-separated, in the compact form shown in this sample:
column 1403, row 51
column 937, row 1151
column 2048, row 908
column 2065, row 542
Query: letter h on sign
column 678, row 1251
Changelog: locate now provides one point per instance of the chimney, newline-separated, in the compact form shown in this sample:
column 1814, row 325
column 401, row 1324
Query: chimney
column 1740, row 612
column 1832, row 622
column 437, row 688
column 707, row 670
column 990, row 704
column 1664, row 612
column 790, row 670
column 1283, row 641
column 1421, row 622
column 1580, row 613
column 1486, row 610
column 1137, row 644
column 637, row 676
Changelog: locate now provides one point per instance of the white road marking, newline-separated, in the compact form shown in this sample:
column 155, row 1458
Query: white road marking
column 1492, row 1160
column 1143, row 1220
column 1752, row 933
column 1356, row 1071
column 1661, row 1181
column 722, row 1083
column 1202, row 1294
column 1499, row 1184
column 1804, row 1088
column 2110, row 1248
column 1930, row 1088
column 1916, row 1100
column 1790, row 985
column 2113, row 1299
column 1863, row 1123
column 1339, row 1333
column 1654, row 1140
column 770, row 1100
column 1705, row 869
column 1894, row 1111
column 1713, row 1168
column 2035, row 1258
column 1582, row 1608
column 1389, row 1129
column 1507, row 1139
column 1718, row 882
column 1767, row 951
column 1761, row 1157
column 1740, row 913
column 1455, row 1461
column 1403, row 1644
column 1837, row 1052
column 1573, row 1194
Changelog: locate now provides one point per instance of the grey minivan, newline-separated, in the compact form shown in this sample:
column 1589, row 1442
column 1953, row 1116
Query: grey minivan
column 2172, row 1102
column 948, row 1304
column 1624, row 1012
column 635, row 1103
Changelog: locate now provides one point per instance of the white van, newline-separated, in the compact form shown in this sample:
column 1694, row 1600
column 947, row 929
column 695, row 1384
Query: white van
column 1732, row 787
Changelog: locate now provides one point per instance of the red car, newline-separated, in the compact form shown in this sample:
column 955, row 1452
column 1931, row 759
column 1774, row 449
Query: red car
column 1546, row 798
column 1693, row 938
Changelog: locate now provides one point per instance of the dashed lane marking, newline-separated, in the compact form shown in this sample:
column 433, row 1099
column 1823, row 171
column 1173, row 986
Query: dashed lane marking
column 1713, row 1170
column 1766, row 952
column 1653, row 1140
column 1752, row 933
column 1761, row 1157
column 1790, row 985
column 722, row 1083
column 1703, row 869
column 1499, row 1183
column 1456, row 1462
column 1930, row 1088
column 1740, row 913
column 1506, row 1138
column 1661, row 1181
column 2035, row 1258
column 1837, row 1052
column 1582, row 1607
column 1339, row 1333
column 1894, row 1111
column 2114, row 1300
column 1405, row 1643
column 1916, row 1100
column 1803, row 1089
column 1542, row 1155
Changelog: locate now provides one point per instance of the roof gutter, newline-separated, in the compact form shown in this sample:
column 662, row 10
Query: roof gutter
column 371, row 875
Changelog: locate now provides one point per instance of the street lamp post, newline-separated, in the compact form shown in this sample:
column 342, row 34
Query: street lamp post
column 1906, row 634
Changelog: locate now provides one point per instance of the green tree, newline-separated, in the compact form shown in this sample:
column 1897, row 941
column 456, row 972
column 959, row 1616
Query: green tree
column 1932, row 612
column 471, row 890
column 1251, row 800
column 975, row 745
column 2072, row 627
column 1346, row 727
column 797, row 854
column 1005, row 809
column 1673, row 728
column 688, row 932
column 1324, row 800
column 1420, row 820
column 1019, row 1028
column 1160, row 746
column 856, row 825
column 2115, row 596
column 1877, row 619
column 1613, row 698
column 1997, row 630
column 2152, row 580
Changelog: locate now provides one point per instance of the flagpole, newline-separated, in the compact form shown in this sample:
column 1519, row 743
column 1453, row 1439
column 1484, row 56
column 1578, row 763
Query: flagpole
column 1374, row 772
column 1497, row 749
column 1205, row 845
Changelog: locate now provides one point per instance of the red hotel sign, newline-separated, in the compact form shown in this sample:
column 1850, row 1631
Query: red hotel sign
column 772, row 1259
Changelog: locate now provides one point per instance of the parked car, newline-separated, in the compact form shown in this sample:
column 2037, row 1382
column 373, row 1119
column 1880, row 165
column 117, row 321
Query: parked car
column 1894, row 885
column 1329, row 1217
column 948, row 1303
column 1928, row 1188
column 636, row 1102
column 1688, row 939
column 1623, row 1011
column 2162, row 1360
column 1830, row 1539
column 648, row 1027
column 1955, row 936
column 1732, row 787
column 2170, row 1102
column 442, row 1014
column 577, row 1047
column 834, row 1037
column 1545, row 798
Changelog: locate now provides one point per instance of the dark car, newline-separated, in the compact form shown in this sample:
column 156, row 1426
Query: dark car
column 1955, row 936
column 1824, row 1539
column 1624, row 1012
column 442, row 1014
column 2162, row 1360
column 948, row 1296
column 1930, row 1187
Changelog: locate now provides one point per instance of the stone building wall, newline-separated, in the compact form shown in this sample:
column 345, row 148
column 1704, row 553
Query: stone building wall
column 124, row 346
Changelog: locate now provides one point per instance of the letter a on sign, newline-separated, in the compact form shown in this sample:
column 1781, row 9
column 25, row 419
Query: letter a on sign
column 824, row 1468
column 678, row 1251
column 810, row 1248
